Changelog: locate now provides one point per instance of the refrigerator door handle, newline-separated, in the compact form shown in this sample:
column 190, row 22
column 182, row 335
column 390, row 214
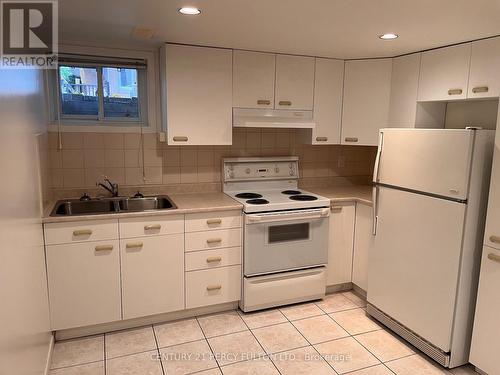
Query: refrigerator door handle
column 375, row 209
column 377, row 159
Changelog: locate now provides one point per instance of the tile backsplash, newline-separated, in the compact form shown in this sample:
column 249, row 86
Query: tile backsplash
column 86, row 157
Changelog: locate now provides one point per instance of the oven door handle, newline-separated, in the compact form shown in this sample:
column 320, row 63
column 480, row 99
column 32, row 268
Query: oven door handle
column 257, row 219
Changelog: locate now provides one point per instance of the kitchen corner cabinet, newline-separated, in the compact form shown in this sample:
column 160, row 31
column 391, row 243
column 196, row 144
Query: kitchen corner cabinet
column 341, row 243
column 404, row 88
column 363, row 244
column 444, row 73
column 484, row 76
column 294, row 82
column 367, row 89
column 199, row 95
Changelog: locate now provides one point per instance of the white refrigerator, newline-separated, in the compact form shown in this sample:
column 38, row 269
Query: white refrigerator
column 430, row 195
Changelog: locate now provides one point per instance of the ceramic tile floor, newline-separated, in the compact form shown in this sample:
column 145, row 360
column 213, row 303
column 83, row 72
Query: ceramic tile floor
column 332, row 336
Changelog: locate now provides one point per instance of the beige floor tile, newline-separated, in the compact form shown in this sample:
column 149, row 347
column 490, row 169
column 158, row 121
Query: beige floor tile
column 235, row 347
column 464, row 370
column 355, row 321
column 129, row 342
column 355, row 298
column 375, row 370
column 319, row 329
column 263, row 318
column 95, row 368
column 187, row 358
column 78, row 351
column 415, row 365
column 336, row 302
column 221, row 324
column 213, row 371
column 279, row 337
column 301, row 361
column 384, row 345
column 346, row 355
column 260, row 366
column 179, row 332
column 304, row 310
column 136, row 364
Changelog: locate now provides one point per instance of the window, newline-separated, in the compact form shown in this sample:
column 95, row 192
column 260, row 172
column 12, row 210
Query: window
column 98, row 92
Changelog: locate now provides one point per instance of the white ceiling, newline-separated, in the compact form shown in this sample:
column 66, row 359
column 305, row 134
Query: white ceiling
column 330, row 28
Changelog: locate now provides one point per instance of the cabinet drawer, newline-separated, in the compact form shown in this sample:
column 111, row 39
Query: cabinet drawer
column 201, row 260
column 213, row 239
column 211, row 287
column 151, row 226
column 83, row 231
column 84, row 283
column 213, row 221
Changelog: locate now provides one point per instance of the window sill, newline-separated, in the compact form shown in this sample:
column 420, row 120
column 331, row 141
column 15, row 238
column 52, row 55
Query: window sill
column 93, row 127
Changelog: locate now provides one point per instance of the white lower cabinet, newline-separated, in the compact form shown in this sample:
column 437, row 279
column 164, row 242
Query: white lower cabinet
column 84, row 283
column 152, row 271
column 363, row 244
column 486, row 336
column 340, row 250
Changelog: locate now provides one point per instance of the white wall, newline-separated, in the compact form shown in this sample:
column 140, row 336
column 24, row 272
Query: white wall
column 24, row 320
column 480, row 113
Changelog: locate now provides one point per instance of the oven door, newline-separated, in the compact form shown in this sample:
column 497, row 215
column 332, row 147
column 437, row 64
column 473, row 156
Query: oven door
column 287, row 240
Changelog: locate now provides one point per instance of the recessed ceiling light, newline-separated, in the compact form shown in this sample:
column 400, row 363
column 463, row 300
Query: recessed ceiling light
column 190, row 11
column 388, row 36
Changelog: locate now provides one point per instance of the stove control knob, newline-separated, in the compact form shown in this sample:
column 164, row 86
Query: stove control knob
column 291, row 172
column 231, row 174
column 277, row 170
column 247, row 171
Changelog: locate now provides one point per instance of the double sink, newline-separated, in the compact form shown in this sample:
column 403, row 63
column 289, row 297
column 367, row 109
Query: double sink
column 74, row 207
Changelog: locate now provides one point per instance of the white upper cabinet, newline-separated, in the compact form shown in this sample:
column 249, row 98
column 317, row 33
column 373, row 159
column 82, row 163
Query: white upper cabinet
column 404, row 88
column 253, row 79
column 199, row 95
column 484, row 78
column 294, row 82
column 444, row 73
column 328, row 87
column 367, row 90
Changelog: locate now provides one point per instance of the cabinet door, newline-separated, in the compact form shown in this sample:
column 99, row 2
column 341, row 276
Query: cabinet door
column 484, row 77
column 152, row 275
column 328, row 87
column 253, row 79
column 199, row 95
column 486, row 335
column 492, row 232
column 404, row 87
column 294, row 82
column 367, row 89
column 340, row 248
column 84, row 283
column 444, row 73
column 363, row 244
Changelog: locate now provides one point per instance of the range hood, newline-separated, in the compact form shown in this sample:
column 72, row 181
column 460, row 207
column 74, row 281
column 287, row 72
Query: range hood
column 272, row 118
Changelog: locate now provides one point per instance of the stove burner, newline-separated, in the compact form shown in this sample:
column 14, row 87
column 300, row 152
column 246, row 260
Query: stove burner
column 291, row 192
column 257, row 201
column 303, row 198
column 248, row 195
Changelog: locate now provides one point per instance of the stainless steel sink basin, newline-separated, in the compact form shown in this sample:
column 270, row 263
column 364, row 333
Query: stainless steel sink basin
column 73, row 207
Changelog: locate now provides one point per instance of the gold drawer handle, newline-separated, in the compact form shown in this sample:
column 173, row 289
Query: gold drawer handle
column 134, row 245
column 494, row 257
column 214, row 240
column 285, row 102
column 351, row 139
column 476, row 90
column 337, row 208
column 321, row 139
column 152, row 227
column 214, row 287
column 263, row 102
column 82, row 232
column 455, row 92
column 495, row 239
column 104, row 248
column 214, row 221
column 213, row 259
column 180, row 139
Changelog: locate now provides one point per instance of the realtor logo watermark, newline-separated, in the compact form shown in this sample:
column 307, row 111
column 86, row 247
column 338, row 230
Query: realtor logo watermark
column 28, row 34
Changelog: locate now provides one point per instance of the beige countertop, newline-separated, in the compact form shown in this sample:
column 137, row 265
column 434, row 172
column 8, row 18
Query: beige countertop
column 356, row 193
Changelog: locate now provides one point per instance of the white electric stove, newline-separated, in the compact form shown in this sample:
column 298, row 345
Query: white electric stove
column 286, row 232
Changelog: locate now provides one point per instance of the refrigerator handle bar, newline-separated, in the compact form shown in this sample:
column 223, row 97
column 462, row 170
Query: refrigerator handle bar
column 377, row 159
column 375, row 209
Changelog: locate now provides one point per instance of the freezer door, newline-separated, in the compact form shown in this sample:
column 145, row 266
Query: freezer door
column 414, row 265
column 435, row 161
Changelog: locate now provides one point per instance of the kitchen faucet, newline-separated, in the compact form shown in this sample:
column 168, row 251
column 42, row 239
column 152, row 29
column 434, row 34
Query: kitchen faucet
column 111, row 187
